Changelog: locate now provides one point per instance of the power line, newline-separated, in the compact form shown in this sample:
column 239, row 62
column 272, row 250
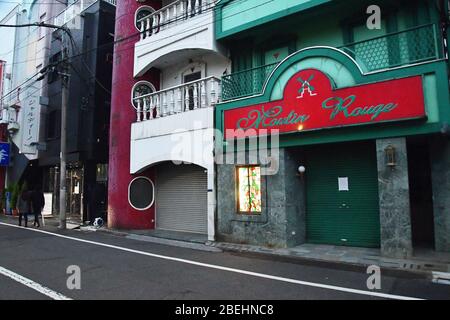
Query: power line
column 167, row 23
column 132, row 36
column 20, row 2
column 28, row 36
column 39, row 24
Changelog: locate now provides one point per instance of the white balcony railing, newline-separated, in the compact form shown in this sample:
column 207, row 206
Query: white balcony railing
column 75, row 9
column 173, row 13
column 183, row 98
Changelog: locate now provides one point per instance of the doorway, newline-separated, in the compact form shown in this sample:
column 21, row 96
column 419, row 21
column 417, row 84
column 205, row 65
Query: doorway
column 191, row 95
column 420, row 193
column 342, row 195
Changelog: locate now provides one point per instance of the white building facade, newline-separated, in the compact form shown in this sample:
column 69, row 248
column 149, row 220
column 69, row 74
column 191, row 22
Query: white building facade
column 173, row 132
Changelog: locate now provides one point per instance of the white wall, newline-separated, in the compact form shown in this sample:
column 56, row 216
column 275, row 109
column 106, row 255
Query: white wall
column 7, row 36
column 179, row 39
column 32, row 50
column 186, row 136
column 209, row 64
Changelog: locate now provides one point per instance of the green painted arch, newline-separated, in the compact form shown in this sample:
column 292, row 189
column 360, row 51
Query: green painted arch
column 312, row 57
column 338, row 74
column 437, row 98
column 340, row 67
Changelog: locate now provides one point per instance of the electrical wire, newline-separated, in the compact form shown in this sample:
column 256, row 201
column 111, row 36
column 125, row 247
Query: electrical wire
column 134, row 35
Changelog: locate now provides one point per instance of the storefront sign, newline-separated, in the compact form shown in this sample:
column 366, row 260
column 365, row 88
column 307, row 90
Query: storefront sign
column 31, row 119
column 4, row 154
column 311, row 103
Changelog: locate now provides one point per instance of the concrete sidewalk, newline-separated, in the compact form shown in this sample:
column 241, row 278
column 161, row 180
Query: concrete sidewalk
column 424, row 261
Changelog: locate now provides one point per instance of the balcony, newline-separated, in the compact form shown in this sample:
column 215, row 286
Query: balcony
column 76, row 9
column 172, row 14
column 412, row 46
column 245, row 83
column 179, row 99
column 173, row 33
column 175, row 124
column 397, row 49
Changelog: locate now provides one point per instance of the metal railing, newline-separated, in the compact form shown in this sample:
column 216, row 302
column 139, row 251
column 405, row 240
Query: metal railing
column 76, row 9
column 415, row 45
column 183, row 98
column 396, row 49
column 245, row 83
column 169, row 15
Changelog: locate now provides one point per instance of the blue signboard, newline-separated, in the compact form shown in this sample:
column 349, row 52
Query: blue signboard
column 4, row 154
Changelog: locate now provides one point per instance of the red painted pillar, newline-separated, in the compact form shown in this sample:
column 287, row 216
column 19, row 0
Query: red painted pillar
column 3, row 138
column 120, row 214
column 3, row 127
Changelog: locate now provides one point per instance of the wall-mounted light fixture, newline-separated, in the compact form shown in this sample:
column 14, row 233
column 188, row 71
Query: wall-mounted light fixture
column 391, row 158
column 301, row 171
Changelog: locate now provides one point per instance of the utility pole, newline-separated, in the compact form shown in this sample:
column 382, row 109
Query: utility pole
column 65, row 80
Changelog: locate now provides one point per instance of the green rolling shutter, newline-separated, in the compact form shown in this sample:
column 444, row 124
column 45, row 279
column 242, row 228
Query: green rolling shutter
column 342, row 217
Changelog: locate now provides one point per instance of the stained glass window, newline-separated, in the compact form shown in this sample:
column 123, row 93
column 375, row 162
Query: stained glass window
column 249, row 189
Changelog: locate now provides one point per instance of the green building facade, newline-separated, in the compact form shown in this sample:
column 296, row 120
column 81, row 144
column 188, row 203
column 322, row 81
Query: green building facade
column 368, row 181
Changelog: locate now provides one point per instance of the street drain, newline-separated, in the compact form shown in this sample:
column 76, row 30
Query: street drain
column 411, row 266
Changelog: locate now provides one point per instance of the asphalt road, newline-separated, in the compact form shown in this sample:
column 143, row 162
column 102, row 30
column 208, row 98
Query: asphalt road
column 114, row 267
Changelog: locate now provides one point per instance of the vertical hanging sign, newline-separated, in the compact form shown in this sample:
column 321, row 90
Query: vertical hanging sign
column 30, row 121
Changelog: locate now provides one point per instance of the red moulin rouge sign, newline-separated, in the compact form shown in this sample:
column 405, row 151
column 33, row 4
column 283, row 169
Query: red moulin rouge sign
column 309, row 102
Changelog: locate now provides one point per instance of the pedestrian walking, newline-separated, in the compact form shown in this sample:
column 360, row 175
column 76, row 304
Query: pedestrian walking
column 37, row 204
column 24, row 206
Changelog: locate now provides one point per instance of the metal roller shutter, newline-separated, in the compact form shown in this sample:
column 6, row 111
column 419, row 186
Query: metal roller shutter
column 343, row 217
column 181, row 198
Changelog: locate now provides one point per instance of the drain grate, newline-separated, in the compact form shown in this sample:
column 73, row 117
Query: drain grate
column 412, row 266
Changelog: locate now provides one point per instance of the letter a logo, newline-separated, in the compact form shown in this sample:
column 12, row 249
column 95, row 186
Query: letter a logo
column 374, row 280
column 74, row 279
column 306, row 87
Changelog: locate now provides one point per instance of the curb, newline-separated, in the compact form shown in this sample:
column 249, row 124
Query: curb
column 163, row 241
column 429, row 270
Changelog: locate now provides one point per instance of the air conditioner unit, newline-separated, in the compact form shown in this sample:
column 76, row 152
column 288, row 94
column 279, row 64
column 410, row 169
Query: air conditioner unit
column 13, row 127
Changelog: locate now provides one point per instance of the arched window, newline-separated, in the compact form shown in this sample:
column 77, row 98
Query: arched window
column 140, row 89
column 140, row 14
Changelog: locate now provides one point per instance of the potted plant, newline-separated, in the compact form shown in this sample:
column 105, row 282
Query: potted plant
column 15, row 191
column 3, row 200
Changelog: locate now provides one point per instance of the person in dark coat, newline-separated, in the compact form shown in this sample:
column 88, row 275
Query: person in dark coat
column 37, row 204
column 24, row 206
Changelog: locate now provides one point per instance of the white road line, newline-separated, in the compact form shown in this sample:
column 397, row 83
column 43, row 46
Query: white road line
column 441, row 277
column 217, row 267
column 33, row 285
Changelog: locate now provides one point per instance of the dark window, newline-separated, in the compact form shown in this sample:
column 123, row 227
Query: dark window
column 52, row 124
column 53, row 71
column 189, row 78
column 141, row 193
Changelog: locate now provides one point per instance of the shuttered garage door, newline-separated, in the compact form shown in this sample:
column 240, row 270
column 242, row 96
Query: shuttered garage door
column 181, row 198
column 342, row 217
